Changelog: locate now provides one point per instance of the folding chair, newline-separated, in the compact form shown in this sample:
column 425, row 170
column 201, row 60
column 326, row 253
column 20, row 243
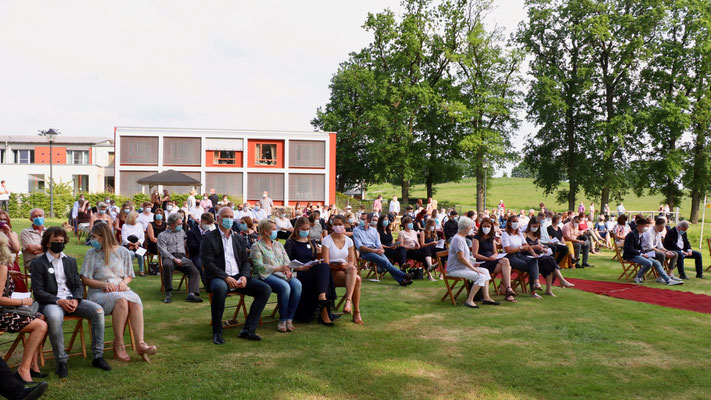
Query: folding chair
column 629, row 268
column 20, row 338
column 78, row 330
column 162, row 285
column 240, row 307
column 708, row 241
column 450, row 282
column 372, row 269
column 518, row 280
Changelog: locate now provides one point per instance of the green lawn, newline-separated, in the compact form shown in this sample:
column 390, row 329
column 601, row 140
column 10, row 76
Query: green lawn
column 517, row 193
column 413, row 346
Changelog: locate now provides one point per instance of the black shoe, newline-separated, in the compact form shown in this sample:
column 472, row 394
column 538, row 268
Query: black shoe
column 36, row 374
column 217, row 338
column 684, row 277
column 333, row 316
column 100, row 363
column 578, row 266
column 34, row 392
column 587, row 265
column 17, row 375
column 193, row 299
column 471, row 306
column 249, row 336
column 62, row 370
column 491, row 303
column 167, row 298
column 322, row 322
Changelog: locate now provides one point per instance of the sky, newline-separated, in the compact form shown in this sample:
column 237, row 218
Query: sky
column 83, row 67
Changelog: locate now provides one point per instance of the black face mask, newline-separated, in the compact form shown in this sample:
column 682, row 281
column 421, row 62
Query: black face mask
column 56, row 247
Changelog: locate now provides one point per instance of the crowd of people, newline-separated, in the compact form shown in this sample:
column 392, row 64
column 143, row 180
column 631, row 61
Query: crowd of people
column 302, row 253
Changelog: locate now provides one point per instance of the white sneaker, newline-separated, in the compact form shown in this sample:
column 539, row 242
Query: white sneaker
column 660, row 280
column 638, row 280
column 674, row 278
column 673, row 283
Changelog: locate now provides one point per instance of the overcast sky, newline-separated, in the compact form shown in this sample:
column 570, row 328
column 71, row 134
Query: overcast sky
column 84, row 67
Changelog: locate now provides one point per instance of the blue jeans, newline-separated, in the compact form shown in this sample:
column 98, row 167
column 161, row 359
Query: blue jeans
column 140, row 260
column 383, row 263
column 648, row 263
column 288, row 295
column 55, row 319
column 697, row 259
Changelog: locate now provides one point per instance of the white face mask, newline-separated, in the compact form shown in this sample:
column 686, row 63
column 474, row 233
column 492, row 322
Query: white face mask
column 534, row 228
column 486, row 230
column 514, row 225
column 432, row 228
column 645, row 229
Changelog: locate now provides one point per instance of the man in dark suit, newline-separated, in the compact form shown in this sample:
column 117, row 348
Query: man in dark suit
column 58, row 289
column 227, row 268
column 676, row 241
column 11, row 387
column 195, row 235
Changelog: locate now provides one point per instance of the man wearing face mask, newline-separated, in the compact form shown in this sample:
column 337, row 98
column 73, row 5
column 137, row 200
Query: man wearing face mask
column 101, row 215
column 677, row 242
column 283, row 225
column 258, row 214
column 572, row 234
column 367, row 241
column 195, row 236
column 31, row 237
column 58, row 289
column 171, row 245
column 266, row 203
column 633, row 251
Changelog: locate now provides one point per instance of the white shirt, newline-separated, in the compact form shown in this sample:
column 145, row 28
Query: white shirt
column 259, row 215
column 145, row 219
column 63, row 291
column 513, row 241
column 197, row 212
column 231, row 267
column 545, row 237
column 621, row 209
column 652, row 240
column 128, row 230
column 75, row 209
column 680, row 240
column 282, row 224
column 334, row 253
column 394, row 207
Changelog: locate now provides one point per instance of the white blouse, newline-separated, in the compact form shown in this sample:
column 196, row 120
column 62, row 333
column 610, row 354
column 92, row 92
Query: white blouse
column 334, row 253
column 513, row 241
column 128, row 230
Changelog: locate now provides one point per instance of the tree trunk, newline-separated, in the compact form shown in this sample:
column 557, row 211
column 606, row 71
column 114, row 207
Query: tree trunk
column 405, row 193
column 571, row 195
column 572, row 175
column 480, row 182
column 695, row 203
column 605, row 197
column 430, row 184
column 698, row 183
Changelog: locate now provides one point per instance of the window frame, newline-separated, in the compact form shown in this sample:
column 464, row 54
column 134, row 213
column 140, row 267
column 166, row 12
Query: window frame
column 30, row 156
column 217, row 158
column 258, row 155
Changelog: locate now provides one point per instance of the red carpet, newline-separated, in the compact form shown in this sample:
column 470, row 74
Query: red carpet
column 661, row 297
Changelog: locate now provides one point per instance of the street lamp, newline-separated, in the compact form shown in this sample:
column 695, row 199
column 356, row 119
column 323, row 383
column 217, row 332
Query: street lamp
column 50, row 134
column 485, row 164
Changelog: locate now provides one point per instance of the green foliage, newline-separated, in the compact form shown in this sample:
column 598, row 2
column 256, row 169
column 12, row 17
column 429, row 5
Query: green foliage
column 522, row 171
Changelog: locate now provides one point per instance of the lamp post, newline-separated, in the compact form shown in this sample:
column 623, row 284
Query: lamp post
column 50, row 134
column 485, row 164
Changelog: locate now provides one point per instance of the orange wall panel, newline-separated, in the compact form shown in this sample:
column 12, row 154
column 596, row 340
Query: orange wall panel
column 210, row 161
column 42, row 155
column 252, row 149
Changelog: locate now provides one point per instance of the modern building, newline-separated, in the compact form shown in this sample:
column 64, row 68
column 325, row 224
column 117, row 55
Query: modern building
column 86, row 162
column 291, row 166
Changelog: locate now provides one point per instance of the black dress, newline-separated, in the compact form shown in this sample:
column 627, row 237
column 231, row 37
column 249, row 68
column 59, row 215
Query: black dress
column 157, row 229
column 397, row 255
column 316, row 280
column 546, row 263
column 486, row 249
column 10, row 322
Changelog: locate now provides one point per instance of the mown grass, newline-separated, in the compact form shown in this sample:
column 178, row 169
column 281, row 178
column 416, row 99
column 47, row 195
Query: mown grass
column 413, row 346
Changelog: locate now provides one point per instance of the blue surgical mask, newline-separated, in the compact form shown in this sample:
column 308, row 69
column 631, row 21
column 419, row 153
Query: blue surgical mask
column 273, row 235
column 39, row 221
column 169, row 208
column 178, row 228
column 243, row 227
column 361, row 222
column 351, row 221
column 386, row 222
column 158, row 217
column 410, row 225
column 95, row 244
column 102, row 211
column 226, row 223
column 256, row 208
column 303, row 234
column 126, row 211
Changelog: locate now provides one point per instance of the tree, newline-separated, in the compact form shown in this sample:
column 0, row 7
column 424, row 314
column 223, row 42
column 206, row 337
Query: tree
column 521, row 171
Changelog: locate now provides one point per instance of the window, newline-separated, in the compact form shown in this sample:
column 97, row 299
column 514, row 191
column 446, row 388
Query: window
column 35, row 183
column 266, row 154
column 109, row 184
column 229, row 183
column 181, row 151
column 306, row 187
column 139, row 150
column 257, row 183
column 77, row 157
column 81, row 183
column 112, row 158
column 2, row 156
column 24, row 156
column 307, row 154
column 224, row 158
column 128, row 181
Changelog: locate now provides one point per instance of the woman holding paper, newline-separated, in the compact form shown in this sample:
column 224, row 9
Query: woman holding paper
column 484, row 249
column 270, row 263
column 338, row 251
column 408, row 239
column 317, row 288
column 430, row 238
column 518, row 250
column 546, row 263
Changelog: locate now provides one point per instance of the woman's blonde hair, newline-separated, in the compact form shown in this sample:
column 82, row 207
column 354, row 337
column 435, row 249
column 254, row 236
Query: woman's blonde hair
column 131, row 218
column 264, row 227
column 5, row 253
column 106, row 238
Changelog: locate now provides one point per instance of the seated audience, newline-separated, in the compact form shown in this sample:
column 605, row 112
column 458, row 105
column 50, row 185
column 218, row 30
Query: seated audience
column 395, row 253
column 155, row 228
column 31, row 237
column 317, row 231
column 13, row 244
column 409, row 240
column 195, row 235
column 172, row 247
column 430, row 237
column 284, row 227
column 450, row 227
column 633, row 251
column 146, row 215
column 258, row 214
column 57, row 287
column 338, row 251
column 101, row 215
column 559, row 248
column 601, row 229
column 13, row 387
column 247, row 233
column 620, row 231
column 132, row 238
column 677, row 241
column 460, row 264
column 572, row 234
column 107, row 271
column 547, row 265
column 652, row 243
column 516, row 248
column 367, row 242
column 484, row 250
column 271, row 264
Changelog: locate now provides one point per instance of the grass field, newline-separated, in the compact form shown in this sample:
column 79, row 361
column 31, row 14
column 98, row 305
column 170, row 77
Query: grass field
column 517, row 193
column 574, row 346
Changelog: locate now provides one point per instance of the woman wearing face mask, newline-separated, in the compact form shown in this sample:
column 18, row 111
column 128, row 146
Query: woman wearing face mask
column 350, row 224
column 102, row 216
column 547, row 265
column 393, row 251
column 516, row 248
column 132, row 238
column 121, row 219
column 270, row 263
column 165, row 199
column 155, row 200
column 154, row 229
column 560, row 248
column 283, row 225
column 317, row 288
column 316, row 233
column 484, row 249
column 409, row 240
column 107, row 271
column 429, row 237
column 247, row 233
column 339, row 252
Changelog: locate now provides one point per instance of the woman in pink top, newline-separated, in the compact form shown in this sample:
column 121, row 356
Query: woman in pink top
column 378, row 204
column 409, row 240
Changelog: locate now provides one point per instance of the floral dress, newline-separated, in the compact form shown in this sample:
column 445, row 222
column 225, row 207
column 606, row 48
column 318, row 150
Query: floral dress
column 265, row 259
column 10, row 322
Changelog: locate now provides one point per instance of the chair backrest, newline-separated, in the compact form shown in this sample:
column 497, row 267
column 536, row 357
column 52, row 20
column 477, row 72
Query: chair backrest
column 442, row 261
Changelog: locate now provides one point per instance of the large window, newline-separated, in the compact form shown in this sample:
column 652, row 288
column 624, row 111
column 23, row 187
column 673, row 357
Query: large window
column 77, row 157
column 257, row 183
column 35, row 183
column 266, row 154
column 81, row 183
column 139, row 150
column 128, row 181
column 24, row 156
column 229, row 183
column 307, row 154
column 306, row 187
column 112, row 157
column 181, row 151
column 224, row 158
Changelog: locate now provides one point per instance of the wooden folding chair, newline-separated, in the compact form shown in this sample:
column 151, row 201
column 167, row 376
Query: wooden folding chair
column 20, row 338
column 239, row 308
column 78, row 331
column 450, row 282
column 160, row 268
column 708, row 242
column 518, row 280
column 372, row 269
column 629, row 268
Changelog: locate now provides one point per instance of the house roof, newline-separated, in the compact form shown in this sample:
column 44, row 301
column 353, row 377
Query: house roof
column 170, row 178
column 61, row 139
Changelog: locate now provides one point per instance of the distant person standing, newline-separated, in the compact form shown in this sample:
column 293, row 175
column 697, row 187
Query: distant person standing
column 581, row 208
column 213, row 197
column 621, row 209
column 4, row 196
column 394, row 207
column 592, row 211
column 501, row 205
column 378, row 205
column 266, row 203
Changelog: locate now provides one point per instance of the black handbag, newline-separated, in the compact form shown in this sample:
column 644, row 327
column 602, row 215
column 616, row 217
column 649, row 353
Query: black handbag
column 23, row 311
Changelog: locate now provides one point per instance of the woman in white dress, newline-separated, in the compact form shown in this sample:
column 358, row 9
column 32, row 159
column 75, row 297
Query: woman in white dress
column 338, row 251
column 107, row 271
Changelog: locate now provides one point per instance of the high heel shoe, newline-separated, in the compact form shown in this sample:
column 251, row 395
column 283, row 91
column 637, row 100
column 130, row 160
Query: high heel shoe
column 144, row 350
column 120, row 352
column 322, row 322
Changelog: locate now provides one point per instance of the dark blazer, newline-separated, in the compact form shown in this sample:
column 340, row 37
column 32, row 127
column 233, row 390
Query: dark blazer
column 44, row 284
column 213, row 256
column 633, row 245
column 194, row 240
column 450, row 228
column 672, row 237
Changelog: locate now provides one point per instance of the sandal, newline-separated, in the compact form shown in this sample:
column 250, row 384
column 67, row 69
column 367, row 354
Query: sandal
column 511, row 299
column 510, row 292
